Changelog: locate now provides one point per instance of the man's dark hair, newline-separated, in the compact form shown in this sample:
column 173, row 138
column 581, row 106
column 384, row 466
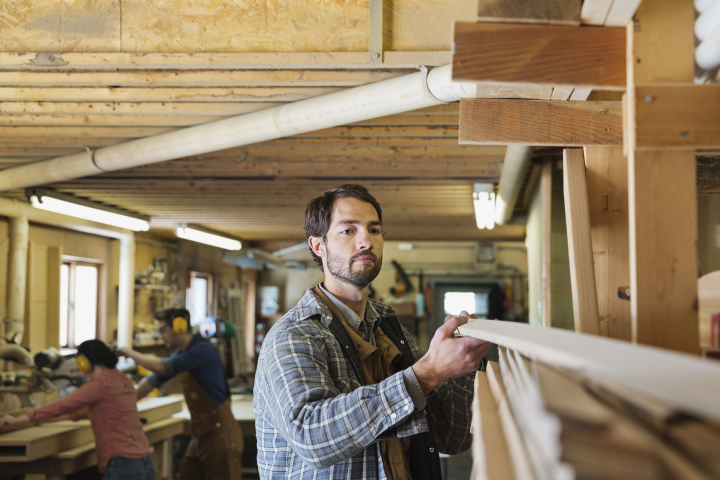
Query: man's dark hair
column 318, row 214
column 98, row 353
column 169, row 314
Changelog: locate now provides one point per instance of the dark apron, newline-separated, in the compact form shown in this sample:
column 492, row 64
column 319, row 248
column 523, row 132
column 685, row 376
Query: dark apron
column 215, row 451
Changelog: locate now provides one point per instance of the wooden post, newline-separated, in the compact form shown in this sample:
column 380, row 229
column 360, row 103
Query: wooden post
column 546, row 205
column 661, row 187
column 577, row 216
column 606, row 173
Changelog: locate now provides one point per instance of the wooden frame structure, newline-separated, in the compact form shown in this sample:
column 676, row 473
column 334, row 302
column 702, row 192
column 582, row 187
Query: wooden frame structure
column 624, row 229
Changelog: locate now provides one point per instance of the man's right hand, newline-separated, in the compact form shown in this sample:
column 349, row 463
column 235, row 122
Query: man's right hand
column 449, row 356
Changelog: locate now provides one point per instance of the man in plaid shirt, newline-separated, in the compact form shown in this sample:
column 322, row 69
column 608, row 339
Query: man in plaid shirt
column 341, row 390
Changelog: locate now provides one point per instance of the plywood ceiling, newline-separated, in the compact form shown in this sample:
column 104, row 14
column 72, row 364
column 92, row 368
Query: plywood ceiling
column 140, row 68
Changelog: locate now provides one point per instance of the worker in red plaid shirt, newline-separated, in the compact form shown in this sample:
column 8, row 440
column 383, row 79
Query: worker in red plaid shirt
column 109, row 401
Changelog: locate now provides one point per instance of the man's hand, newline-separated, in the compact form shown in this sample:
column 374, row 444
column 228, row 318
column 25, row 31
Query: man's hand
column 448, row 356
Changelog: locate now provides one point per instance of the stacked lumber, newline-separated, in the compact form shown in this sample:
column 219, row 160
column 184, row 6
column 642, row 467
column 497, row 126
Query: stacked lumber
column 560, row 405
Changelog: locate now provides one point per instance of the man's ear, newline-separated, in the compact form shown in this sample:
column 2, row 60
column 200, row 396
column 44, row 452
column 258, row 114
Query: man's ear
column 317, row 246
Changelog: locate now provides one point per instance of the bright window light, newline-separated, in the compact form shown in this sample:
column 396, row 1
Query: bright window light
column 484, row 203
column 456, row 302
column 63, row 207
column 207, row 238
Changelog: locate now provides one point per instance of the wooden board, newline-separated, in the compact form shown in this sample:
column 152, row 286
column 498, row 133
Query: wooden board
column 216, row 60
column 534, row 122
column 45, row 440
column 539, row 54
column 491, row 458
column 546, row 206
column 677, row 116
column 73, row 460
column 514, row 442
column 577, row 216
column 547, row 12
column 606, row 174
column 684, row 382
column 663, row 228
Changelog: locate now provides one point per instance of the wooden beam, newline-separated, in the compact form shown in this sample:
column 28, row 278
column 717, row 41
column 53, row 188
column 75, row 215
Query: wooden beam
column 546, row 207
column 168, row 94
column 577, row 216
column 554, row 12
column 607, row 187
column 677, row 116
column 535, row 122
column 194, row 78
column 539, row 54
column 663, row 226
column 215, row 61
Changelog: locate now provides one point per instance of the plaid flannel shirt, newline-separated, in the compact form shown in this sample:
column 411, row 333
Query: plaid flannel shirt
column 316, row 420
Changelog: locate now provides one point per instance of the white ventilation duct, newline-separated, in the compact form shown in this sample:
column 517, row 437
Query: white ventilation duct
column 388, row 97
column 517, row 159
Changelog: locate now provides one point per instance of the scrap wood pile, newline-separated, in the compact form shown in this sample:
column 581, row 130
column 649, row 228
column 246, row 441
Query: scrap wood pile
column 544, row 412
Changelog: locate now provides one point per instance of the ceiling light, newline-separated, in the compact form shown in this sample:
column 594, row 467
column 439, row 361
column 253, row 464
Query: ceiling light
column 55, row 202
column 202, row 235
column 484, row 203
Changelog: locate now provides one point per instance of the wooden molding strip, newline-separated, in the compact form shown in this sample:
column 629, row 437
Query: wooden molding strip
column 540, row 54
column 686, row 383
column 537, row 122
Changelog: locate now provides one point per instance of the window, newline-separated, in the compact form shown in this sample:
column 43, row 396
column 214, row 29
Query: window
column 79, row 302
column 471, row 302
column 199, row 297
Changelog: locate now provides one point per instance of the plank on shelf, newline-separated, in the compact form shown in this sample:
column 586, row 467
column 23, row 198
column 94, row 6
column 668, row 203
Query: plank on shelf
column 490, row 452
column 536, row 122
column 685, row 383
column 580, row 250
column 539, row 54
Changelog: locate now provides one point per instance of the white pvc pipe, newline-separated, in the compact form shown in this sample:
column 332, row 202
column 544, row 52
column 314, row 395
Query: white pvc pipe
column 517, row 159
column 16, row 278
column 388, row 97
column 14, row 209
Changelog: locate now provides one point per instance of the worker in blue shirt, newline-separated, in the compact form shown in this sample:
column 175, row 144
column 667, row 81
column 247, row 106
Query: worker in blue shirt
column 215, row 451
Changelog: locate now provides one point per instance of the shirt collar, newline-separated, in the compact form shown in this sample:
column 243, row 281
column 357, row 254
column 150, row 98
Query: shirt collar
column 310, row 304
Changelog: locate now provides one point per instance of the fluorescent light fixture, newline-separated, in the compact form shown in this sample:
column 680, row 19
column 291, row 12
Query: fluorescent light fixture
column 55, row 202
column 484, row 203
column 405, row 246
column 202, row 235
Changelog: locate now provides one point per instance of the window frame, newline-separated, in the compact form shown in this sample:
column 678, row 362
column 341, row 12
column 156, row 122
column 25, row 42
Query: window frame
column 73, row 263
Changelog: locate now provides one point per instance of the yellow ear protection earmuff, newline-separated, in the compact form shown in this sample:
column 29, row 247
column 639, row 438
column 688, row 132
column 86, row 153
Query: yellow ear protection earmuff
column 180, row 325
column 83, row 364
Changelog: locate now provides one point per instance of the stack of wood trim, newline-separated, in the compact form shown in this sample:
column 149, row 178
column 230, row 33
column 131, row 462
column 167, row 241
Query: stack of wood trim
column 567, row 405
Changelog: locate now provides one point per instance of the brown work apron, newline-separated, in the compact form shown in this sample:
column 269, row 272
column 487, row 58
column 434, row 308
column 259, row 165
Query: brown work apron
column 216, row 447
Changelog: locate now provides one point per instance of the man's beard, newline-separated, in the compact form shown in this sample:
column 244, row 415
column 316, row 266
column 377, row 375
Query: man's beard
column 341, row 268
